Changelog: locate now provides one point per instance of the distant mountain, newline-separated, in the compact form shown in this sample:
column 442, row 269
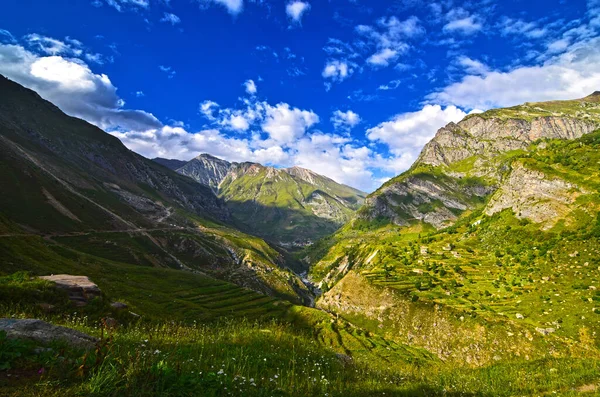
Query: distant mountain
column 90, row 197
column 207, row 170
column 292, row 206
column 487, row 248
column 171, row 164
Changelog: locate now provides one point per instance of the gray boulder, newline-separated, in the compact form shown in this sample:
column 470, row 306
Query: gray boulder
column 42, row 332
column 80, row 288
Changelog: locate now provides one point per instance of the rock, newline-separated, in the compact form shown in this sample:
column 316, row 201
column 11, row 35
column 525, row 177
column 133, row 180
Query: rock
column 345, row 359
column 545, row 331
column 519, row 316
column 43, row 332
column 110, row 323
column 119, row 305
column 80, row 288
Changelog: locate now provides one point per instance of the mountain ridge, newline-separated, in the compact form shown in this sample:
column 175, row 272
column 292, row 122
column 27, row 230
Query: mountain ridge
column 267, row 200
column 86, row 192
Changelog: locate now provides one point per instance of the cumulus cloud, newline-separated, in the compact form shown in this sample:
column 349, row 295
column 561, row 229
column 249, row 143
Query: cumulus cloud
column 284, row 124
column 337, row 70
column 296, row 9
column 345, row 120
column 250, row 87
column 572, row 74
column 72, row 86
column 407, row 133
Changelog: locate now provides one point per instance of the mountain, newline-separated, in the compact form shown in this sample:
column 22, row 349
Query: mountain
column 292, row 206
column 486, row 249
column 207, row 170
column 72, row 188
column 171, row 164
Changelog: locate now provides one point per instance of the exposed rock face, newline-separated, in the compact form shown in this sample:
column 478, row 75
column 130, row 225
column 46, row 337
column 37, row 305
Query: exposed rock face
column 80, row 288
column 207, row 170
column 437, row 197
column 434, row 201
column 489, row 136
column 43, row 332
column 533, row 195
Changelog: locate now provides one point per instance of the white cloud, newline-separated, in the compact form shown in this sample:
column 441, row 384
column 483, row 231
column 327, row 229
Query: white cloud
column 208, row 108
column 250, row 87
column 296, row 9
column 573, row 74
column 6, row 36
column 383, row 57
column 51, row 46
column 392, row 32
column 510, row 26
column 72, row 86
column 559, row 45
column 168, row 71
column 238, row 123
column 120, row 5
column 337, row 70
column 285, row 124
column 407, row 133
column 459, row 20
column 345, row 120
column 234, row 7
column 171, row 18
column 392, row 85
column 140, row 94
column 472, row 66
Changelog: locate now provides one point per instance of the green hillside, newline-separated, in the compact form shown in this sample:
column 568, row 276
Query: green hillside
column 80, row 188
column 291, row 206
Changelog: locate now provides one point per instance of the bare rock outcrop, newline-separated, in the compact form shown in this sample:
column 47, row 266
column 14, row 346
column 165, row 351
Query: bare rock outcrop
column 44, row 333
column 80, row 288
column 533, row 195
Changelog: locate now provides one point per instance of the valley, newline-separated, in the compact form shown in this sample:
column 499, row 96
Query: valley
column 479, row 262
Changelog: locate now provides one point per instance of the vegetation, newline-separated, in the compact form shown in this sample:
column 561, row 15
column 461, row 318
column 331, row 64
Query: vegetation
column 294, row 355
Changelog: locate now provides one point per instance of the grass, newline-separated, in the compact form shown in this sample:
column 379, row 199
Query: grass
column 499, row 274
column 262, row 359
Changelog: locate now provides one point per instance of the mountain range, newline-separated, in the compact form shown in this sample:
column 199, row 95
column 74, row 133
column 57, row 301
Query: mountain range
column 480, row 262
column 291, row 206
column 487, row 247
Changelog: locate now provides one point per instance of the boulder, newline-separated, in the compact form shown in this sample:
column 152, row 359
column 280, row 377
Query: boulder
column 42, row 332
column 80, row 288
column 118, row 305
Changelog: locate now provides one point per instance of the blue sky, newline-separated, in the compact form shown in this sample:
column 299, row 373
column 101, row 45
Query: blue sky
column 348, row 88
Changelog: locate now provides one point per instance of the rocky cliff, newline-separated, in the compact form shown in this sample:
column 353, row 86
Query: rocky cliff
column 465, row 162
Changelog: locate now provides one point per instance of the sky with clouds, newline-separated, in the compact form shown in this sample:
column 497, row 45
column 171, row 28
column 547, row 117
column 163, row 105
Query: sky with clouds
column 351, row 89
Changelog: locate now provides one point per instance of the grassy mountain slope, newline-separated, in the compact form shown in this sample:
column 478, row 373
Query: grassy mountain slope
column 287, row 206
column 82, row 189
column 491, row 256
column 291, row 207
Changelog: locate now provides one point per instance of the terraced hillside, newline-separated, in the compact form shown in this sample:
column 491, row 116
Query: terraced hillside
column 501, row 263
column 80, row 188
column 291, row 207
